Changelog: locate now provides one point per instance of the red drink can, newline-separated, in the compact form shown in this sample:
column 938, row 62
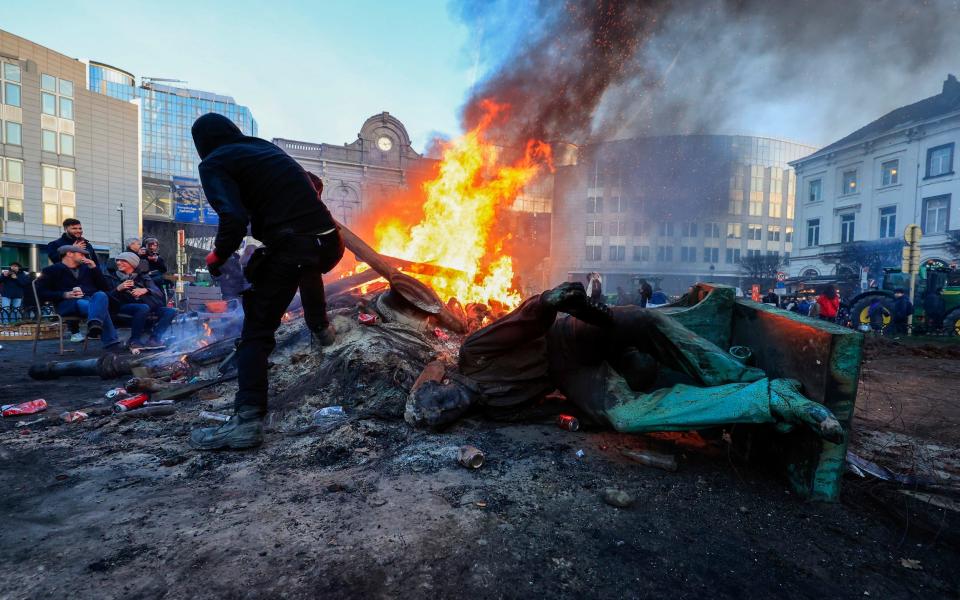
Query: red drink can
column 568, row 422
column 131, row 403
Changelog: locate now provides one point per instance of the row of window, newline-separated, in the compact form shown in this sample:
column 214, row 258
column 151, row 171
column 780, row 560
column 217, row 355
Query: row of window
column 688, row 254
column 11, row 209
column 754, row 206
column 939, row 163
column 691, row 230
column 934, row 219
column 10, row 76
column 12, row 133
column 61, row 143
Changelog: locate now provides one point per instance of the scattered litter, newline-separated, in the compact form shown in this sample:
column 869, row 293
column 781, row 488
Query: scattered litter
column 580, row 453
column 158, row 403
column 480, row 504
column 470, row 457
column 616, row 497
column 440, row 334
column 111, row 394
column 73, row 416
column 667, row 462
column 25, row 408
column 367, row 319
column 131, row 403
column 213, row 416
column 862, row 467
column 911, row 563
column 29, row 423
column 568, row 422
column 329, row 417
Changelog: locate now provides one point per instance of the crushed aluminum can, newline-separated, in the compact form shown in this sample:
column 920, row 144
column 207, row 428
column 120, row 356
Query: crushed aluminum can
column 212, row 416
column 115, row 392
column 25, row 408
column 157, row 403
column 568, row 422
column 366, row 318
column 73, row 416
column 440, row 334
column 470, row 457
column 131, row 403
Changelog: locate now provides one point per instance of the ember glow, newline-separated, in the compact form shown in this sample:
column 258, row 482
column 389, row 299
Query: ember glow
column 460, row 212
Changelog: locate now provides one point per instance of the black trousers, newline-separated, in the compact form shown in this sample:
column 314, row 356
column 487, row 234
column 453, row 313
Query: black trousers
column 298, row 264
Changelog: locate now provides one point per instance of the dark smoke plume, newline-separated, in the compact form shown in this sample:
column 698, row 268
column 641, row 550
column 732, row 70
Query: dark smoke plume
column 809, row 70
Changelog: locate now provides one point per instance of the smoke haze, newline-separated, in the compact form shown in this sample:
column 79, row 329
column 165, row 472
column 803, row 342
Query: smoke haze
column 811, row 71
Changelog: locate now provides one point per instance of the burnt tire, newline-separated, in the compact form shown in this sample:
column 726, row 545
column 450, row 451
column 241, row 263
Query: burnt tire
column 951, row 323
column 858, row 312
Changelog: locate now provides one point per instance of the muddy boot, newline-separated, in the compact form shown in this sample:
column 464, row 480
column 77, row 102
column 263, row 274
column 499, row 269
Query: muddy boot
column 324, row 337
column 243, row 430
column 787, row 404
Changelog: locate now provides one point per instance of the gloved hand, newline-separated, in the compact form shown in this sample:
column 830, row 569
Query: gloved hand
column 214, row 263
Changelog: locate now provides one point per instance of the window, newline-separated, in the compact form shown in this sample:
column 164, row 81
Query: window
column 618, row 204
column 939, row 160
column 849, row 182
column 49, row 177
column 48, row 82
column 788, row 235
column 593, row 252
column 773, row 233
column 14, row 133
column 733, row 256
column 888, row 222
column 11, row 72
column 847, row 223
column 14, row 171
column 14, row 210
column 936, row 214
column 618, row 253
column 711, row 255
column 618, row 228
column 67, row 180
column 66, row 88
column 688, row 229
column 786, row 258
column 51, row 214
column 815, row 190
column 594, row 228
column 66, row 144
column 665, row 253
column 688, row 254
column 594, row 205
column 66, row 108
column 641, row 253
column 754, row 232
column 48, row 140
column 11, row 94
column 773, row 253
column 666, row 229
column 813, row 232
column 756, row 204
column 711, row 230
column 637, row 228
column 734, row 231
column 736, row 203
column 48, row 104
column 753, row 253
column 890, row 172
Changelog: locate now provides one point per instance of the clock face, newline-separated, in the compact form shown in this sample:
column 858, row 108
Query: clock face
column 384, row 143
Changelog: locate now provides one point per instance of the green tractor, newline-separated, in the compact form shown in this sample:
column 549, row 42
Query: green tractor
column 933, row 275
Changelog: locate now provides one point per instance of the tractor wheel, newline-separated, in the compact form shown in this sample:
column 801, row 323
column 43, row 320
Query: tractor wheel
column 860, row 308
column 951, row 323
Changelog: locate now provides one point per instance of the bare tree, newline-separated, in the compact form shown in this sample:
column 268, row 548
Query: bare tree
column 874, row 255
column 761, row 269
column 953, row 242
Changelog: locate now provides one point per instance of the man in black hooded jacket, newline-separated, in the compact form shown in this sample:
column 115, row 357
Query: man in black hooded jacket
column 250, row 181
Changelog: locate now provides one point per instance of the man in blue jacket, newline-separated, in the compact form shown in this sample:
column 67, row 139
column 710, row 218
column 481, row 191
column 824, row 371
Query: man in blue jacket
column 249, row 181
column 77, row 287
column 902, row 309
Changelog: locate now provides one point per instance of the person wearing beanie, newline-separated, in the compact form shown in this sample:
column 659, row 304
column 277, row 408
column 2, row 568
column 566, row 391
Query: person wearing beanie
column 135, row 296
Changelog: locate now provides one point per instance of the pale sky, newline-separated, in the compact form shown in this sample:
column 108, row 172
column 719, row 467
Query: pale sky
column 310, row 71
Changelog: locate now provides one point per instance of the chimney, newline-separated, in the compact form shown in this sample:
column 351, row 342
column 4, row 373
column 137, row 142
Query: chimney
column 951, row 87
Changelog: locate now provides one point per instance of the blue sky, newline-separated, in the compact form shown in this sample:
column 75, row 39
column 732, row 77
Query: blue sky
column 308, row 70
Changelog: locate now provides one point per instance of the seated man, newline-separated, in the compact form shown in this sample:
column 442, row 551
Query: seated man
column 135, row 295
column 156, row 267
column 78, row 287
column 606, row 362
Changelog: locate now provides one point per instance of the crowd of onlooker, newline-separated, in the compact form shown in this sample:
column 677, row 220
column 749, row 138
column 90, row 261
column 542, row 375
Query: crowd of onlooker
column 133, row 291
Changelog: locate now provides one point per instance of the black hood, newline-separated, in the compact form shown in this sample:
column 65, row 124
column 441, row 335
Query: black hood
column 212, row 131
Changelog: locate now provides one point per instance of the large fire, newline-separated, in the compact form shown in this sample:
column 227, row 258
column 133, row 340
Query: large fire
column 460, row 211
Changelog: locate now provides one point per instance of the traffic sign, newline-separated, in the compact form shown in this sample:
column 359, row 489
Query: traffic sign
column 781, row 276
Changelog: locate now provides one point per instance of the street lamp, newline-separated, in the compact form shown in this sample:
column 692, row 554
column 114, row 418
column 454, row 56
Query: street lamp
column 123, row 236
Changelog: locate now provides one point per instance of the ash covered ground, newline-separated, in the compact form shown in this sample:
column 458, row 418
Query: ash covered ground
column 368, row 507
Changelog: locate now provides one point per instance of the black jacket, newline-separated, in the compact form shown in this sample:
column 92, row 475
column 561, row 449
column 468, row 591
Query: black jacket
column 158, row 265
column 251, row 181
column 57, row 279
column 140, row 280
column 934, row 306
column 902, row 309
column 53, row 248
column 15, row 286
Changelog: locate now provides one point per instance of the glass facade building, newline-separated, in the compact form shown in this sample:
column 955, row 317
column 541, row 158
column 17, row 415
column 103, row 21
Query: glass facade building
column 167, row 114
column 674, row 209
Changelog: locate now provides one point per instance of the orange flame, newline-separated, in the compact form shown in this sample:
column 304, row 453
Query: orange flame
column 460, row 213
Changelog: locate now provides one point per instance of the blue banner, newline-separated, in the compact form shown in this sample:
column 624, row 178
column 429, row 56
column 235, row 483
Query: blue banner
column 210, row 216
column 188, row 198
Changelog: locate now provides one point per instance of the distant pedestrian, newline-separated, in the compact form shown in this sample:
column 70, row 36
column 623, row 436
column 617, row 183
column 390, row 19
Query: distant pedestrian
column 875, row 314
column 595, row 287
column 902, row 309
column 15, row 284
column 646, row 292
column 771, row 297
column 813, row 309
column 829, row 303
column 935, row 309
